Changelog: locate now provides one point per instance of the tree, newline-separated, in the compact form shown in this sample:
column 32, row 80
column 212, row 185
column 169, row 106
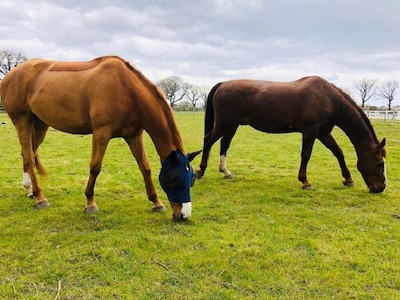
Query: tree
column 192, row 93
column 173, row 88
column 366, row 88
column 10, row 59
column 388, row 91
column 204, row 95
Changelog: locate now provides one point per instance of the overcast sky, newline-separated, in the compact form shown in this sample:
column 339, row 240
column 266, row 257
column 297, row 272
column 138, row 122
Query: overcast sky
column 206, row 41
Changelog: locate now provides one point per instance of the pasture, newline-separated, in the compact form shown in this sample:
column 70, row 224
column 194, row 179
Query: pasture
column 255, row 236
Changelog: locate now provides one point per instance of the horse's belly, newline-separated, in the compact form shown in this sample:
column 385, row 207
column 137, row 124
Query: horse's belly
column 66, row 124
column 67, row 120
column 283, row 129
column 273, row 126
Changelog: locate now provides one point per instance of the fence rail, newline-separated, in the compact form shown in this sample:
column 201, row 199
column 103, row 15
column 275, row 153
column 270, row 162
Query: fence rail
column 386, row 115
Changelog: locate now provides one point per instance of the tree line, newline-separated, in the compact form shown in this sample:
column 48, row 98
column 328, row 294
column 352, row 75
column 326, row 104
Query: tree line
column 369, row 89
column 185, row 94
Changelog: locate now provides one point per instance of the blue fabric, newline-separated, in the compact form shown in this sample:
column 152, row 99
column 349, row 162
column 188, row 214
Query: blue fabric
column 176, row 177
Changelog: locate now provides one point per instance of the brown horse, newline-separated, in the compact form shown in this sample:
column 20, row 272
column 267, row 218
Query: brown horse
column 309, row 105
column 108, row 98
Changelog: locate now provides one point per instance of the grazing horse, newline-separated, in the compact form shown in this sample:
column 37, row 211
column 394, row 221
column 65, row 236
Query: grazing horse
column 311, row 106
column 105, row 97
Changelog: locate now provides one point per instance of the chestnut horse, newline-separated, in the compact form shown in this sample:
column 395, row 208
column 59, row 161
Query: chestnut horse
column 311, row 106
column 108, row 98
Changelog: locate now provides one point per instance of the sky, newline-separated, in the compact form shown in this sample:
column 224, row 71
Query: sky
column 208, row 41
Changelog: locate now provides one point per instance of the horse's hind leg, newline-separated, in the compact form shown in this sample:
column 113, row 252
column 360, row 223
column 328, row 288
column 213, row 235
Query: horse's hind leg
column 137, row 148
column 308, row 142
column 209, row 141
column 25, row 130
column 38, row 136
column 225, row 143
column 331, row 144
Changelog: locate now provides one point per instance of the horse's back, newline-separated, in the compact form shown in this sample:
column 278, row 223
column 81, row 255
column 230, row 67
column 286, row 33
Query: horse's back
column 273, row 106
column 36, row 73
column 66, row 95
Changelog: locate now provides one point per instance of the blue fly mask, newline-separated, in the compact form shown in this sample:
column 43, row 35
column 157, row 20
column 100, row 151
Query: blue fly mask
column 176, row 177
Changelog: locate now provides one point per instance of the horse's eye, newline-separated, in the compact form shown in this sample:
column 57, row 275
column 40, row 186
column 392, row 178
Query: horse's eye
column 172, row 178
column 381, row 164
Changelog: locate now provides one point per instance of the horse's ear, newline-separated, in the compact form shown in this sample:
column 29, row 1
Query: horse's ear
column 175, row 160
column 192, row 155
column 380, row 148
column 382, row 144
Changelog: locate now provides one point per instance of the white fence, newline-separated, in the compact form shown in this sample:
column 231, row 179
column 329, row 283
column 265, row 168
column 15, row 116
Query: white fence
column 386, row 115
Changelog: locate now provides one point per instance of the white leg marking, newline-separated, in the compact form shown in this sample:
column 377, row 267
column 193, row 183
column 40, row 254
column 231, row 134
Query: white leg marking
column 186, row 210
column 222, row 166
column 27, row 183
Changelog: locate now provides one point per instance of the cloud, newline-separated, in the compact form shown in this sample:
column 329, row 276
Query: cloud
column 211, row 40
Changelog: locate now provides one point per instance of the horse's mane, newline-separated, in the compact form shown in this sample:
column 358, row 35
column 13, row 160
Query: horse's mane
column 161, row 97
column 359, row 110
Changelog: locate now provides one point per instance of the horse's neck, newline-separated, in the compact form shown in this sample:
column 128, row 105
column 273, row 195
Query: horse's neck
column 157, row 118
column 165, row 135
column 164, row 144
column 355, row 127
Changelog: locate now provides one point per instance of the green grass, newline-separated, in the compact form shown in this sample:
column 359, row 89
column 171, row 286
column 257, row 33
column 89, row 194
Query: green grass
column 255, row 236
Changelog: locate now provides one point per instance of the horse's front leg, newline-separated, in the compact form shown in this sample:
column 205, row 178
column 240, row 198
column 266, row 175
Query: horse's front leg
column 331, row 144
column 99, row 147
column 306, row 150
column 137, row 148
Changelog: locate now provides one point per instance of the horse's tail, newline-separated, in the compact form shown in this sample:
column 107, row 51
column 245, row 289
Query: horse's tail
column 38, row 163
column 39, row 166
column 209, row 118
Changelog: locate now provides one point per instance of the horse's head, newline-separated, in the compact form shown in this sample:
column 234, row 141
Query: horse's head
column 176, row 178
column 373, row 169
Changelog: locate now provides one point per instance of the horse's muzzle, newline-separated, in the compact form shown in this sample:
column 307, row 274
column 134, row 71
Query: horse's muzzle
column 377, row 189
column 182, row 211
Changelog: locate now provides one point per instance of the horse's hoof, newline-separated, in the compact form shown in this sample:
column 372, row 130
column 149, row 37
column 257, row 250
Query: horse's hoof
column 348, row 183
column 198, row 174
column 308, row 188
column 228, row 176
column 179, row 219
column 91, row 210
column 43, row 204
column 31, row 196
column 159, row 209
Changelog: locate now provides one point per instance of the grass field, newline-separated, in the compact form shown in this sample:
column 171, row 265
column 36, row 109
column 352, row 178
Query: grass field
column 257, row 236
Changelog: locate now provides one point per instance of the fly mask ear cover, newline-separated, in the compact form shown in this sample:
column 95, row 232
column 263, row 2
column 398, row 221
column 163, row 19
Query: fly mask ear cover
column 176, row 177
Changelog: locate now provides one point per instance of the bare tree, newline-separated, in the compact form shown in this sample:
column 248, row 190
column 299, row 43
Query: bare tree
column 10, row 59
column 173, row 88
column 388, row 91
column 366, row 88
column 193, row 93
column 204, row 95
